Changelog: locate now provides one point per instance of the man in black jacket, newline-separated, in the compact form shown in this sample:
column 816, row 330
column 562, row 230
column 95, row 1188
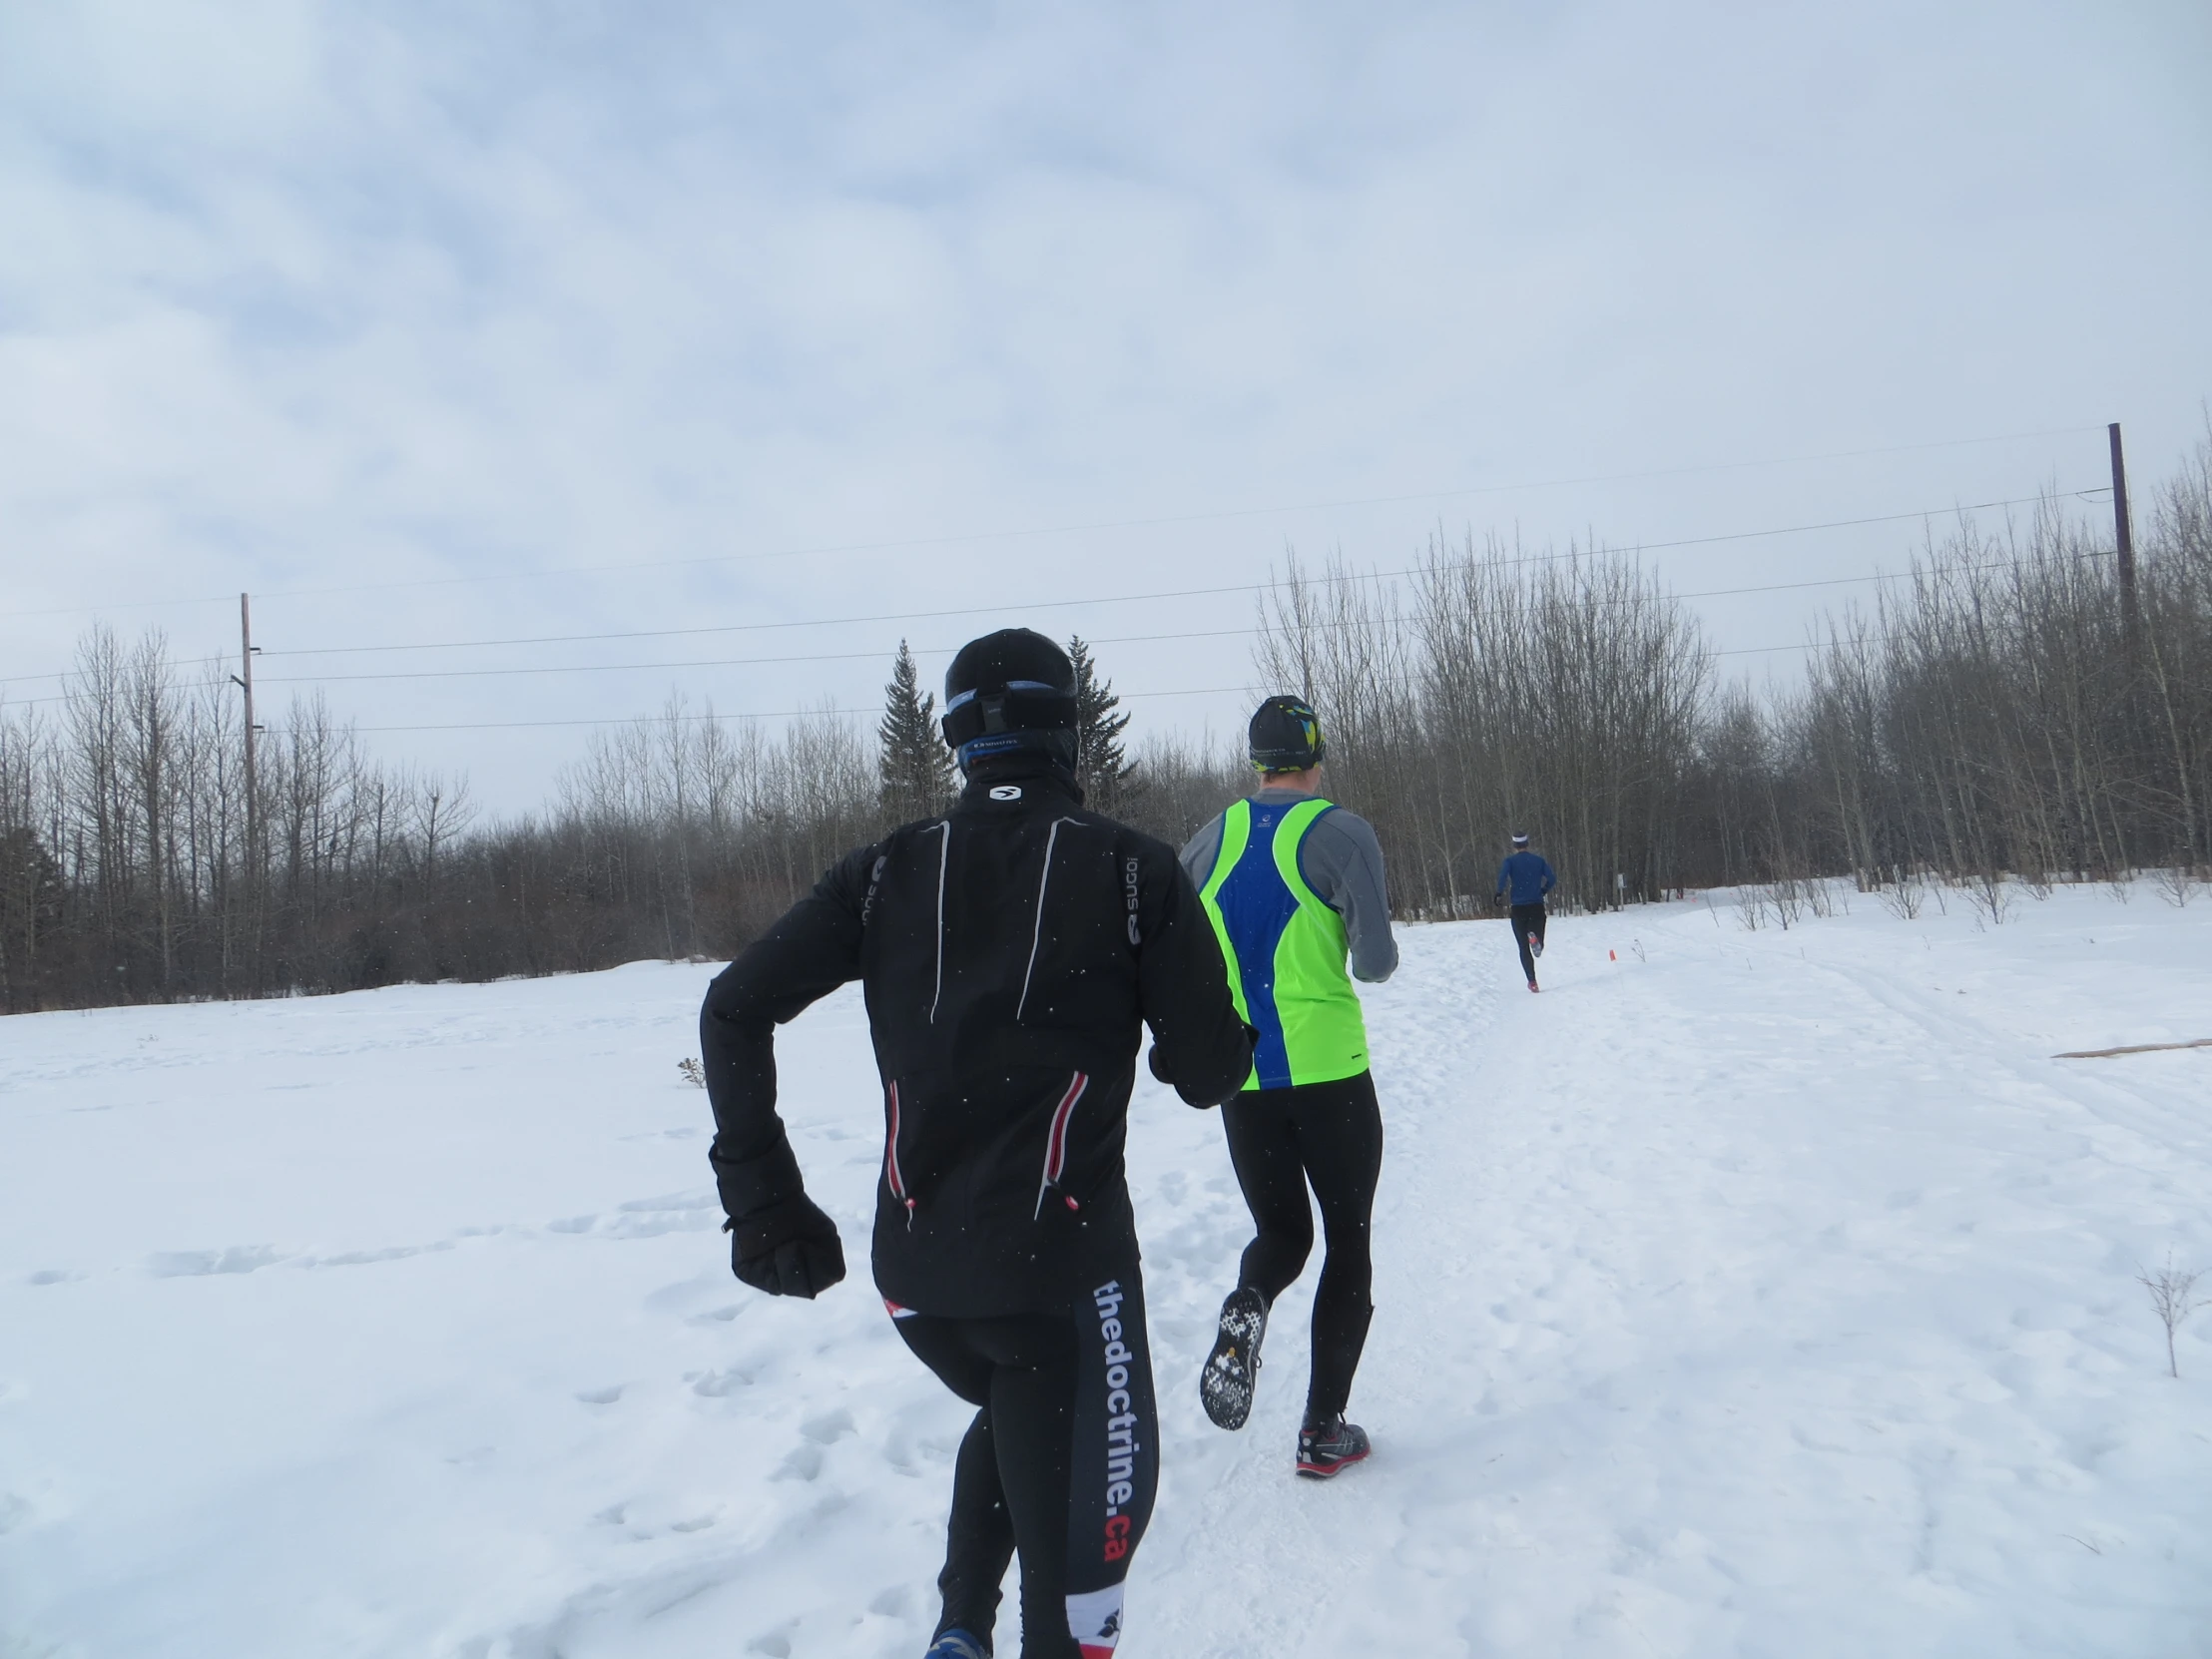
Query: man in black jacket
column 1011, row 951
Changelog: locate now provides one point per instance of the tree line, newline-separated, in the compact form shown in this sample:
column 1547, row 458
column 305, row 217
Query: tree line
column 2005, row 715
column 2001, row 717
column 141, row 862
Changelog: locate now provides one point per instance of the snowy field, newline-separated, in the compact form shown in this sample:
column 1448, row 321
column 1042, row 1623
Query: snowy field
column 1755, row 1293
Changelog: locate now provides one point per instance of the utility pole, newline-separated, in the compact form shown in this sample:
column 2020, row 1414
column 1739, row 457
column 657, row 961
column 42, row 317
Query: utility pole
column 245, row 682
column 2123, row 538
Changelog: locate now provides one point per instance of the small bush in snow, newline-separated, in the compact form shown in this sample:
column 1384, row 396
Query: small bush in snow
column 1906, row 895
column 693, row 1072
column 1992, row 894
column 2177, row 885
column 2169, row 1298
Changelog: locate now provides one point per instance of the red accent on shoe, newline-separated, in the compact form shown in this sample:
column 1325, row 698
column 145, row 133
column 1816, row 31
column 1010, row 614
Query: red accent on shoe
column 1322, row 1471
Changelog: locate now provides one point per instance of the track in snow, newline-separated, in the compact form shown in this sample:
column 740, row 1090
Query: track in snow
column 1752, row 1293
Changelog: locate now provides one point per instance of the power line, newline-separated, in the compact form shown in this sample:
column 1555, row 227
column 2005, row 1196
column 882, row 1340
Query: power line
column 1153, row 522
column 854, row 655
column 700, row 662
column 1764, row 649
column 692, row 720
column 1134, row 598
column 944, row 650
column 1062, row 604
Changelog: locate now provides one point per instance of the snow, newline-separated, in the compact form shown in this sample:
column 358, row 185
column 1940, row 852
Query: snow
column 1746, row 1293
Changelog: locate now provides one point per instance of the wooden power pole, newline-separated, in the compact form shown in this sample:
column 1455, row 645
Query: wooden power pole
column 2124, row 536
column 244, row 680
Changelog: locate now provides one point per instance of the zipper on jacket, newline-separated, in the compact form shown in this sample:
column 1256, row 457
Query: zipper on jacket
column 896, row 1181
column 1056, row 1141
column 944, row 864
column 1036, row 937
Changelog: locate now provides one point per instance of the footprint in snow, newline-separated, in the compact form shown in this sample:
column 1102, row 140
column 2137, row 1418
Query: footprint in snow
column 830, row 1427
column 601, row 1397
column 186, row 1264
column 698, row 1199
column 53, row 1275
column 365, row 1258
column 802, row 1464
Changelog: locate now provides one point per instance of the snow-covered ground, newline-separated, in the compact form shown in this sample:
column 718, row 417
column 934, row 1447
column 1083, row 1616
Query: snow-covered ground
column 1752, row 1293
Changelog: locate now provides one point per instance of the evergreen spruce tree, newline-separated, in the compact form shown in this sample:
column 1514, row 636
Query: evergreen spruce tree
column 913, row 768
column 1102, row 761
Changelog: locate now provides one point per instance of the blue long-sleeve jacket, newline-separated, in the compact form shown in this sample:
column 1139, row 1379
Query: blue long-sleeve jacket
column 1528, row 877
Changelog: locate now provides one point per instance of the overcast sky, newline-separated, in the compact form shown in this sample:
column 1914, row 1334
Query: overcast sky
column 459, row 322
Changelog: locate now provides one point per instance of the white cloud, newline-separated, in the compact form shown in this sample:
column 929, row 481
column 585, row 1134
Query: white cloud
column 298, row 297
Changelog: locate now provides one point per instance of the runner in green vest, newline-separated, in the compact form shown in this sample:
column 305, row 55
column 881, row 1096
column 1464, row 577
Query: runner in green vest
column 1294, row 885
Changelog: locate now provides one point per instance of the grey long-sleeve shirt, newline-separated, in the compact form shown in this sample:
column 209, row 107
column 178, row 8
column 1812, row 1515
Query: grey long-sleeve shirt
column 1343, row 862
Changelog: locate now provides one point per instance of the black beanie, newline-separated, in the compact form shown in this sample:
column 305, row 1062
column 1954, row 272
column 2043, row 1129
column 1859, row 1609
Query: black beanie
column 1285, row 736
column 1008, row 691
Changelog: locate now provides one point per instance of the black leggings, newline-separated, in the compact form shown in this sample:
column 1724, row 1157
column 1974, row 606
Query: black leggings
column 1329, row 1135
column 1527, row 919
column 1063, row 1460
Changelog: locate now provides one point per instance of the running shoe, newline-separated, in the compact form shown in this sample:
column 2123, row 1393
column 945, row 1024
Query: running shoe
column 958, row 1644
column 1326, row 1447
column 1536, row 945
column 1533, row 984
column 1232, row 1371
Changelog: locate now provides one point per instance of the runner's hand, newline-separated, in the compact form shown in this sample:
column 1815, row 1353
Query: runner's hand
column 789, row 1249
column 1158, row 1061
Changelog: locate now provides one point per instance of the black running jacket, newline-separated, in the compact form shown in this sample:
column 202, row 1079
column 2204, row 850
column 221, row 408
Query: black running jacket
column 1011, row 951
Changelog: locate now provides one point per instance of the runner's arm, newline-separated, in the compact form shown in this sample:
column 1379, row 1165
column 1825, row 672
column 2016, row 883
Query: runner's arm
column 1200, row 852
column 812, row 949
column 1199, row 1045
column 1343, row 862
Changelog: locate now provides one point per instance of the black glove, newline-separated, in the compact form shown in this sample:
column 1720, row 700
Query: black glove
column 1158, row 1064
column 789, row 1249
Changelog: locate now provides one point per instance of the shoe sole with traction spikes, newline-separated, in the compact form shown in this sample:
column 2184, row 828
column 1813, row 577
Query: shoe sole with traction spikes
column 1232, row 1371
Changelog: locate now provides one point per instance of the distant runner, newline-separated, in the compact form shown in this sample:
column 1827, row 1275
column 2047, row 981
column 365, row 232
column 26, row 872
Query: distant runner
column 1294, row 883
column 1529, row 878
column 1011, row 951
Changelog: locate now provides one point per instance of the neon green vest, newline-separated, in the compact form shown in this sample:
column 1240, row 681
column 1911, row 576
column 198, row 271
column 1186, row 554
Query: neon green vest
column 1285, row 950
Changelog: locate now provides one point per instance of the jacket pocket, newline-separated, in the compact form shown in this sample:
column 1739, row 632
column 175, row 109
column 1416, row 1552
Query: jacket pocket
column 893, row 1177
column 1056, row 1142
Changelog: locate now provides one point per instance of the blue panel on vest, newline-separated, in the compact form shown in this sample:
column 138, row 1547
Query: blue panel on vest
column 1257, row 905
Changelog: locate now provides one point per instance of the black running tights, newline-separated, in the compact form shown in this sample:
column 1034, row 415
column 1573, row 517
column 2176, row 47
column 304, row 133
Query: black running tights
column 1527, row 919
column 1329, row 1136
column 1061, row 1461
